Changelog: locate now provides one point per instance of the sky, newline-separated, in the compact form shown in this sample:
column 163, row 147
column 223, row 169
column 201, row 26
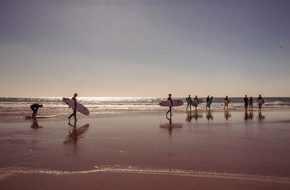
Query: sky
column 145, row 48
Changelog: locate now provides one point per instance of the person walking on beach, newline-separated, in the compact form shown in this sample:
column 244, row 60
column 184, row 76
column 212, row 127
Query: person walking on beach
column 188, row 103
column 196, row 100
column 208, row 102
column 170, row 107
column 260, row 102
column 226, row 101
column 246, row 102
column 251, row 103
column 34, row 108
column 74, row 98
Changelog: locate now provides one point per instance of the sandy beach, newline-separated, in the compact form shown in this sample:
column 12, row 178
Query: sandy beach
column 193, row 150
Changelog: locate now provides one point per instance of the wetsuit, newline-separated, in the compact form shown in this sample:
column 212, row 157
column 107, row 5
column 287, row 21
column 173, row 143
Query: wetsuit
column 34, row 108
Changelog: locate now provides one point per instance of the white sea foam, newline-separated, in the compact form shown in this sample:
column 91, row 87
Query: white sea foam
column 111, row 105
column 147, row 171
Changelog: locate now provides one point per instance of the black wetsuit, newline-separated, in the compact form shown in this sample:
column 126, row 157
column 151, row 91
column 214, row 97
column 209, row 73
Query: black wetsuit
column 74, row 110
column 34, row 108
column 170, row 108
column 246, row 100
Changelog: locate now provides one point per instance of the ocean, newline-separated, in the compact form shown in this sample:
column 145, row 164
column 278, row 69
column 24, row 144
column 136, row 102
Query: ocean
column 129, row 137
column 12, row 107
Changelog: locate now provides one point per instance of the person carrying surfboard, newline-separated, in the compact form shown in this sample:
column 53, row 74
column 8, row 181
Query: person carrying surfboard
column 251, row 103
column 260, row 102
column 208, row 101
column 226, row 101
column 74, row 98
column 196, row 100
column 34, row 108
column 246, row 102
column 170, row 99
column 188, row 102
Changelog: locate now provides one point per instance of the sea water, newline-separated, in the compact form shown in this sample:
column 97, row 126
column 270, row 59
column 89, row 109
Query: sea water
column 235, row 148
column 20, row 106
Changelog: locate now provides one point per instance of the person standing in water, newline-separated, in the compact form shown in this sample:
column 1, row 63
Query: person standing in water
column 34, row 108
column 74, row 98
column 208, row 102
column 246, row 102
column 170, row 107
column 251, row 103
column 196, row 100
column 260, row 102
column 188, row 102
column 226, row 101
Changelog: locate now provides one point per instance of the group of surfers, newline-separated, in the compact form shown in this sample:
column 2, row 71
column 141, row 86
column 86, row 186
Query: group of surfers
column 35, row 107
column 248, row 102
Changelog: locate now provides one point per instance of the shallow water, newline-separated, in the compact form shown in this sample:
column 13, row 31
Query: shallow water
column 215, row 145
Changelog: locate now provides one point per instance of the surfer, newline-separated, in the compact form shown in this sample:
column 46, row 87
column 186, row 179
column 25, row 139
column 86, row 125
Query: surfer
column 34, row 108
column 170, row 99
column 226, row 101
column 251, row 103
column 246, row 102
column 189, row 102
column 208, row 102
column 74, row 98
column 196, row 100
column 260, row 102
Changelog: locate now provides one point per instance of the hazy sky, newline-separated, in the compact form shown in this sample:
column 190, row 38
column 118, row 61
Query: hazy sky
column 144, row 47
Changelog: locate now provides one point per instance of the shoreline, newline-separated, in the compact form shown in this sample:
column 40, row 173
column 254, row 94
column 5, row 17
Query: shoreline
column 131, row 181
column 124, row 113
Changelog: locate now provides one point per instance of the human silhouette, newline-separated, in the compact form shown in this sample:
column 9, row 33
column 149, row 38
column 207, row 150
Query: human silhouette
column 74, row 98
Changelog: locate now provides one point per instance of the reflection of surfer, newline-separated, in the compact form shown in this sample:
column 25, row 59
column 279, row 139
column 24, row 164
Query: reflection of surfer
column 196, row 116
column 73, row 135
column 209, row 115
column 75, row 108
column 246, row 117
column 227, row 114
column 251, row 114
column 35, row 124
column 76, row 132
column 260, row 116
column 189, row 116
column 170, row 126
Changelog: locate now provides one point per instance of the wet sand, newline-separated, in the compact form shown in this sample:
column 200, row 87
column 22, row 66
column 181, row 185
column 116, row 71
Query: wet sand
column 219, row 150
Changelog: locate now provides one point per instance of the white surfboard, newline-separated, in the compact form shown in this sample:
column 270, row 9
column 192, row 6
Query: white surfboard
column 40, row 116
column 167, row 103
column 80, row 108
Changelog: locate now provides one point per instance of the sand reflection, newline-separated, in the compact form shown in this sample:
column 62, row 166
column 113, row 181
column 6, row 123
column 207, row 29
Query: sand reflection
column 75, row 133
column 195, row 115
column 170, row 126
column 209, row 115
column 35, row 124
column 227, row 114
